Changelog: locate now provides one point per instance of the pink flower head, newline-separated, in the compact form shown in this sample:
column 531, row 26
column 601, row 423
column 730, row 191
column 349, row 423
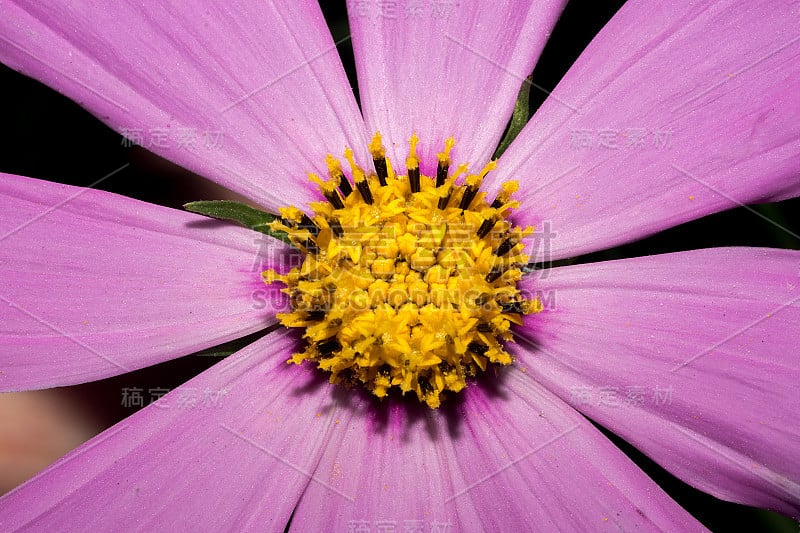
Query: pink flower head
column 675, row 111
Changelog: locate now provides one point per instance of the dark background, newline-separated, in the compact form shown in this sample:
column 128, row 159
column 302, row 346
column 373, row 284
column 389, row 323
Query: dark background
column 47, row 136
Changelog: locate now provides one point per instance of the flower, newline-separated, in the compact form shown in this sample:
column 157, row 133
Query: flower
column 684, row 355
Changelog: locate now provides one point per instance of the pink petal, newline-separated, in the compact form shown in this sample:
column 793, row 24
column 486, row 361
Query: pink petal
column 230, row 450
column 692, row 357
column 713, row 87
column 510, row 458
column 95, row 284
column 441, row 69
column 249, row 94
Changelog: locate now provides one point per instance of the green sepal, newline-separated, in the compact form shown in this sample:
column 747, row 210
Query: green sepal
column 520, row 117
column 247, row 216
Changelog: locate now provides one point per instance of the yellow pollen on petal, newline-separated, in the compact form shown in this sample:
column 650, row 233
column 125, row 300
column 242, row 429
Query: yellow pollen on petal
column 408, row 284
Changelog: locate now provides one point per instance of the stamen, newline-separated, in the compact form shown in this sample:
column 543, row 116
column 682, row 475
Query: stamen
column 412, row 164
column 494, row 274
column 503, row 198
column 336, row 227
column 514, row 307
column 483, row 299
column 328, row 347
column 478, row 348
column 379, row 158
column 359, row 178
column 334, row 198
column 310, row 246
column 425, row 386
column 473, row 184
column 413, row 179
column 315, row 316
column 337, row 176
column 363, row 188
column 486, row 227
column 444, row 161
column 328, row 189
column 505, row 247
column 308, row 224
column 344, row 186
column 444, row 200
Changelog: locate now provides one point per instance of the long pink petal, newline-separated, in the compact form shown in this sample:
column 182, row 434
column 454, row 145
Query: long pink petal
column 93, row 284
column 692, row 357
column 686, row 109
column 512, row 457
column 441, row 69
column 249, row 94
column 231, row 450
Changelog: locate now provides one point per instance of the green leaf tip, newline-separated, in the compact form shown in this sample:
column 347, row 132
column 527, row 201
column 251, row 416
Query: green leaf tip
column 520, row 117
column 233, row 211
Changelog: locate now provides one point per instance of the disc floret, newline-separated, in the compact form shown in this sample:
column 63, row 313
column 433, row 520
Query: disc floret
column 408, row 281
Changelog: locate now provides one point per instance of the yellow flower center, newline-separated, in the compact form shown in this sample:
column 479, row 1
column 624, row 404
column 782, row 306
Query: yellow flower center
column 408, row 281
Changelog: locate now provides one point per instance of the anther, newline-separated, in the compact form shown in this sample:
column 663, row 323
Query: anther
column 495, row 273
column 478, row 348
column 473, row 184
column 336, row 227
column 509, row 188
column 316, row 316
column 425, row 385
column 412, row 164
column 307, row 224
column 344, row 186
column 359, row 178
column 337, row 176
column 363, row 188
column 328, row 347
column 444, row 161
column 381, row 170
column 310, row 246
column 441, row 173
column 379, row 158
column 483, row 299
column 328, row 189
column 486, row 227
column 334, row 198
column 505, row 247
column 444, row 200
column 514, row 307
column 413, row 179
